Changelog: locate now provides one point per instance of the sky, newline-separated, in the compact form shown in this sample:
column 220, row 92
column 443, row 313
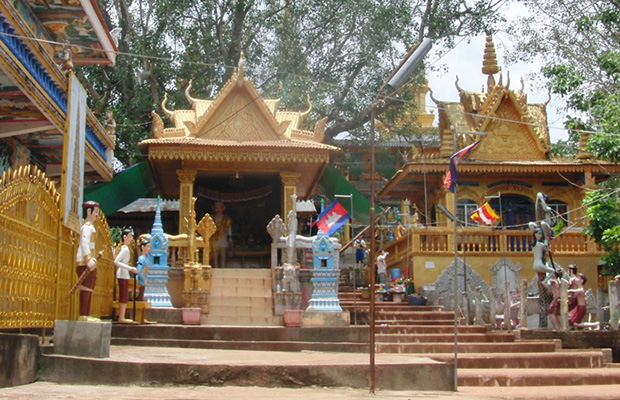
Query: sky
column 465, row 61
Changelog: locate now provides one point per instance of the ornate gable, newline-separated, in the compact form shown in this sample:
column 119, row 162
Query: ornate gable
column 516, row 130
column 238, row 114
column 507, row 140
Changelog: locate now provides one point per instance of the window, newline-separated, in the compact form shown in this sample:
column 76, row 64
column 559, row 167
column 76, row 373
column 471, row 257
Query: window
column 464, row 208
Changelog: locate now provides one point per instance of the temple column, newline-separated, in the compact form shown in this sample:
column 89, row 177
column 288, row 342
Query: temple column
column 187, row 177
column 289, row 188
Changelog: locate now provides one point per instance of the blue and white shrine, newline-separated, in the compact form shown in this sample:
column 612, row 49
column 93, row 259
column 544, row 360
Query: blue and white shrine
column 325, row 275
column 156, row 289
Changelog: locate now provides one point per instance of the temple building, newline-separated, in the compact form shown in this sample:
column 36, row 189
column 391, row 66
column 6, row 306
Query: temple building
column 242, row 150
column 508, row 168
column 38, row 89
column 51, row 146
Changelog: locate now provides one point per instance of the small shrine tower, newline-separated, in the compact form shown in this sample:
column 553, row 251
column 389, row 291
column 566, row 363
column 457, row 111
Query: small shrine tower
column 156, row 288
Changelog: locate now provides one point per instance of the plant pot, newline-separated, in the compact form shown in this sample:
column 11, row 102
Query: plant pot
column 397, row 297
column 191, row 315
column 292, row 317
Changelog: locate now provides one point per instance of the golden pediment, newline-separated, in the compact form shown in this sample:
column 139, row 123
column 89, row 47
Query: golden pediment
column 238, row 118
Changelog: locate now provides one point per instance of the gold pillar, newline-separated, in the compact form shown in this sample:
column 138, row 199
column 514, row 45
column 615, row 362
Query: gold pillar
column 186, row 193
column 289, row 187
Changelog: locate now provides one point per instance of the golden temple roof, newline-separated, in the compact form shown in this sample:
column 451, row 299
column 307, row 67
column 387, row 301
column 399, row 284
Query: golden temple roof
column 516, row 129
column 237, row 117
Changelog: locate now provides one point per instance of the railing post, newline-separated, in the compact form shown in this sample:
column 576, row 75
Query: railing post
column 564, row 304
column 523, row 306
column 613, row 304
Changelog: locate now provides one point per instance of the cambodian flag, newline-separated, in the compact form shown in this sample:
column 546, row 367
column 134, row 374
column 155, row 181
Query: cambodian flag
column 451, row 178
column 332, row 218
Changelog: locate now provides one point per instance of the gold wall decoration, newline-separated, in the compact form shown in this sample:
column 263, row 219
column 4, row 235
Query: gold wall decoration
column 37, row 255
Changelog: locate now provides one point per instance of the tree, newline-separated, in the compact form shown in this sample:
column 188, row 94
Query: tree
column 337, row 51
column 582, row 46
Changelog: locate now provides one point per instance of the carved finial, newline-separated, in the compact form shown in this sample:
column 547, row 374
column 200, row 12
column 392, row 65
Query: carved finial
column 110, row 124
column 163, row 106
column 158, row 125
column 522, row 85
column 240, row 69
column 430, row 91
column 187, row 96
column 303, row 114
column 489, row 63
column 67, row 57
column 456, row 83
column 276, row 228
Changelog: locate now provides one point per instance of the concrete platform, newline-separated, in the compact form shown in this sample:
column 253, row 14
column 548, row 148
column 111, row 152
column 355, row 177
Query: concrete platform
column 148, row 366
column 77, row 392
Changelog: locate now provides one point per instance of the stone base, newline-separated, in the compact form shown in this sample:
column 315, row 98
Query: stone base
column 18, row 359
column 325, row 319
column 83, row 339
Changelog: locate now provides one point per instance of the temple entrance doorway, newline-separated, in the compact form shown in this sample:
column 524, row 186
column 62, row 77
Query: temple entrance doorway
column 251, row 200
column 516, row 210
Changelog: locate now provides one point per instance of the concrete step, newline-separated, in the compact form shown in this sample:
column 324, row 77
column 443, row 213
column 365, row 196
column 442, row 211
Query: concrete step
column 559, row 359
column 490, row 337
column 233, row 333
column 365, row 306
column 429, row 348
column 239, row 311
column 261, row 318
column 418, row 329
column 413, row 316
column 238, row 291
column 250, row 273
column 241, row 301
column 162, row 366
column 538, row 377
column 291, row 346
column 395, row 322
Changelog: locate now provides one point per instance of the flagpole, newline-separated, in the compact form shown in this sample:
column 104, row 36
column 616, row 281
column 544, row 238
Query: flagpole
column 456, row 258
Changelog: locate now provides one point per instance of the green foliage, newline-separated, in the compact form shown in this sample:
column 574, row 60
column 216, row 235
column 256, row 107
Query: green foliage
column 604, row 214
column 336, row 51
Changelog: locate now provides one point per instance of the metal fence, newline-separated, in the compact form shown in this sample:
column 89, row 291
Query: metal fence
column 37, row 255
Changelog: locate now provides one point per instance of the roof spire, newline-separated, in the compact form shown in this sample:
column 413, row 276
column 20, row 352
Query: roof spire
column 240, row 69
column 489, row 62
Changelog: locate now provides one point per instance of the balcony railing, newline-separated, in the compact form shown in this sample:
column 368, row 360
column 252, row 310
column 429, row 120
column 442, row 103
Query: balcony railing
column 484, row 242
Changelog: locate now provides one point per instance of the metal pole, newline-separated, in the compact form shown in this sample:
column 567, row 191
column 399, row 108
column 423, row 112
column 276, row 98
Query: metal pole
column 372, row 249
column 456, row 259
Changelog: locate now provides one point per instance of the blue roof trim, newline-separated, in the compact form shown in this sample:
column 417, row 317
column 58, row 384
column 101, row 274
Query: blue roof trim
column 98, row 145
column 32, row 65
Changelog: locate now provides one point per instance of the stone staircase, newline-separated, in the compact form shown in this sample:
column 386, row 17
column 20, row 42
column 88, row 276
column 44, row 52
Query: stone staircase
column 241, row 297
column 485, row 357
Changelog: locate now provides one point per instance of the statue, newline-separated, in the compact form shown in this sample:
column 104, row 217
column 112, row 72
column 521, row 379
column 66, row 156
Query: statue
column 222, row 238
column 122, row 274
column 110, row 124
column 290, row 282
column 292, row 232
column 541, row 229
column 86, row 261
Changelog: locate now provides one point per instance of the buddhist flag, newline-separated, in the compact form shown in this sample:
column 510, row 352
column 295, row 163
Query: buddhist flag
column 451, row 178
column 484, row 215
column 400, row 230
column 332, row 218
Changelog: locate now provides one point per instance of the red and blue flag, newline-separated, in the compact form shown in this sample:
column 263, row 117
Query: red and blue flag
column 451, row 179
column 332, row 218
